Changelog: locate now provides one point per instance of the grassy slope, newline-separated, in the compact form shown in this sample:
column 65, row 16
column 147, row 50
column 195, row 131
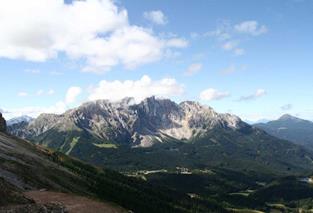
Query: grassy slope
column 255, row 151
column 37, row 168
column 9, row 194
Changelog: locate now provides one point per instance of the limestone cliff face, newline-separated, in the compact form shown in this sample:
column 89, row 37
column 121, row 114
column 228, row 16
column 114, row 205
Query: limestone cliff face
column 125, row 122
column 3, row 126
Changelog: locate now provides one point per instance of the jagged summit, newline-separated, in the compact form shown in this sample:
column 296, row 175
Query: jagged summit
column 137, row 124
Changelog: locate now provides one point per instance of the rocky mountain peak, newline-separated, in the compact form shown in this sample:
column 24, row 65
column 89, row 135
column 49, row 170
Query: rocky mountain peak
column 127, row 101
column 3, row 126
column 154, row 106
column 143, row 124
column 192, row 108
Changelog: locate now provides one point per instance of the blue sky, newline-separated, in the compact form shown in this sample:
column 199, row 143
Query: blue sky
column 250, row 58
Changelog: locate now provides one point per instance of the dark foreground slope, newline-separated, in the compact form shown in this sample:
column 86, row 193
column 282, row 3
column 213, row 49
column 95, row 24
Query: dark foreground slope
column 27, row 167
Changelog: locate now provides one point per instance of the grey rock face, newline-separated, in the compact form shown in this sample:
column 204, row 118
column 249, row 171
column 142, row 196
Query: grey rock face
column 143, row 124
column 3, row 126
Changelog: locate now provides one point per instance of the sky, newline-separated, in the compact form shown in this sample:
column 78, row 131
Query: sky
column 246, row 57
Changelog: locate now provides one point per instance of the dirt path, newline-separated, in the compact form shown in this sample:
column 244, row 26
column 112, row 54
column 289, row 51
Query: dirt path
column 73, row 203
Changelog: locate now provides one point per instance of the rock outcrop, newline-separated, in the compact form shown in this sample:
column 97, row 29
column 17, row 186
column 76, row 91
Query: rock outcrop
column 3, row 126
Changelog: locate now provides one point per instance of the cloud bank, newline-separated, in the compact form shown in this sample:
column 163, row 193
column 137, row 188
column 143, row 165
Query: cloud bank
column 259, row 93
column 156, row 17
column 95, row 31
column 251, row 27
column 138, row 89
column 193, row 69
column 213, row 94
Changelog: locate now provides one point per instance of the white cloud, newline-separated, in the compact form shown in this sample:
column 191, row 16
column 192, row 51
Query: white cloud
column 258, row 93
column 40, row 92
column 251, row 27
column 170, row 54
column 22, row 94
column 194, row 35
column 156, row 17
column 222, row 32
column 239, row 51
column 51, row 92
column 228, row 70
column 59, row 107
column 71, row 94
column 32, row 111
column 96, row 31
column 56, row 73
column 177, row 42
column 33, row 71
column 232, row 45
column 213, row 94
column 193, row 69
column 219, row 34
column 286, row 107
column 111, row 90
column 138, row 89
column 233, row 68
column 229, row 36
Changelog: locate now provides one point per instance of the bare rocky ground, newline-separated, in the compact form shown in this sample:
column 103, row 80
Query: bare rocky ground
column 56, row 202
column 73, row 203
column 35, row 208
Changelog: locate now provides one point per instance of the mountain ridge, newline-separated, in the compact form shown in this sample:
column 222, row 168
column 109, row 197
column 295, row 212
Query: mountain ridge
column 140, row 124
column 288, row 127
column 159, row 133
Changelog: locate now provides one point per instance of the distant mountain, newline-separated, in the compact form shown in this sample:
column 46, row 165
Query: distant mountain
column 16, row 125
column 16, row 120
column 158, row 133
column 290, row 128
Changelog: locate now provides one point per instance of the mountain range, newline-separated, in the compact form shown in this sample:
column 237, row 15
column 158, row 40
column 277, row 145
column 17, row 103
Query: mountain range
column 290, row 128
column 158, row 134
column 125, row 123
column 229, row 165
